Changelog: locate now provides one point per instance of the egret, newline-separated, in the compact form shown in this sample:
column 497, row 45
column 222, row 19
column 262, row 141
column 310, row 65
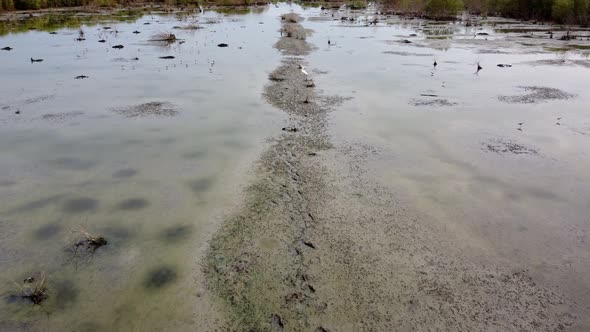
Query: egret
column 303, row 71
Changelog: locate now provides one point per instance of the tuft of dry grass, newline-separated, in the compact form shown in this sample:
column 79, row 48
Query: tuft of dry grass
column 34, row 290
column 291, row 18
column 294, row 31
column 165, row 37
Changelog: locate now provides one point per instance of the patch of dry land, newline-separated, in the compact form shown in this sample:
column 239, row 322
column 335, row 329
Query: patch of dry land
column 319, row 245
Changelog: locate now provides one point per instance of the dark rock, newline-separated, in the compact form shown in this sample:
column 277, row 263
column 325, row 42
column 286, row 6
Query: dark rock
column 405, row 41
column 53, row 33
column 136, row 32
column 36, row 60
column 222, row 45
column 102, row 41
column 118, row 47
column 168, row 57
column 503, row 65
column 7, row 48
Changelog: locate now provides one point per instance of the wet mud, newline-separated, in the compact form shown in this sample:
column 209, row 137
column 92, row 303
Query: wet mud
column 154, row 108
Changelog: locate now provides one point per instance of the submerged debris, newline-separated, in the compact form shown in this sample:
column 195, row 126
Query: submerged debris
column 118, row 47
column 167, row 57
column 154, row 108
column 7, row 48
column 80, row 77
column 536, row 94
column 503, row 65
column 36, row 60
column 222, row 45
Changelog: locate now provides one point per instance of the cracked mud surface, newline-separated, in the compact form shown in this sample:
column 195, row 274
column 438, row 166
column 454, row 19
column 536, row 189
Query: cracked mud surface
column 319, row 245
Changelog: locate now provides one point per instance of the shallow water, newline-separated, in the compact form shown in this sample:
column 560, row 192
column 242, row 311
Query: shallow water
column 519, row 196
column 156, row 186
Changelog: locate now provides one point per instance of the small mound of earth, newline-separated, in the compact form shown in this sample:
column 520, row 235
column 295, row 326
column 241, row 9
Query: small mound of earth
column 503, row 146
column 408, row 53
column 154, row 108
column 432, row 102
column 61, row 116
column 536, row 94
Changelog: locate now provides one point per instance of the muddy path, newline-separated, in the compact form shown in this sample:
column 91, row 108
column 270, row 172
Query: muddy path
column 319, row 244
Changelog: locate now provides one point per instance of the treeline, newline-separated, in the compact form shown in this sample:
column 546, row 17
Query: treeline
column 7, row 5
column 560, row 11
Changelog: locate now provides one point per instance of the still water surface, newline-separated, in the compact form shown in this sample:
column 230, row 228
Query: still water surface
column 156, row 186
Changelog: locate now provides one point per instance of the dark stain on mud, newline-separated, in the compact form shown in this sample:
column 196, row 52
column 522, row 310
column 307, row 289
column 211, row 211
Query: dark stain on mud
column 505, row 146
column 160, row 277
column 177, row 233
column 73, row 164
column 194, row 155
column 60, row 117
column 151, row 109
column 125, row 173
column 66, row 293
column 133, row 204
column 117, row 232
column 47, row 231
column 80, row 205
column 536, row 94
column 436, row 102
column 201, row 185
column 38, row 204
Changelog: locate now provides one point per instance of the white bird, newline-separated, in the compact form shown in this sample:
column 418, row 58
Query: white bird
column 303, row 71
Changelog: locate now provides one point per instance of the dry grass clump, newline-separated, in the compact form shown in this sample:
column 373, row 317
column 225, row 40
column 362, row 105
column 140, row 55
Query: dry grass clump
column 34, row 289
column 291, row 18
column 295, row 31
column 165, row 37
